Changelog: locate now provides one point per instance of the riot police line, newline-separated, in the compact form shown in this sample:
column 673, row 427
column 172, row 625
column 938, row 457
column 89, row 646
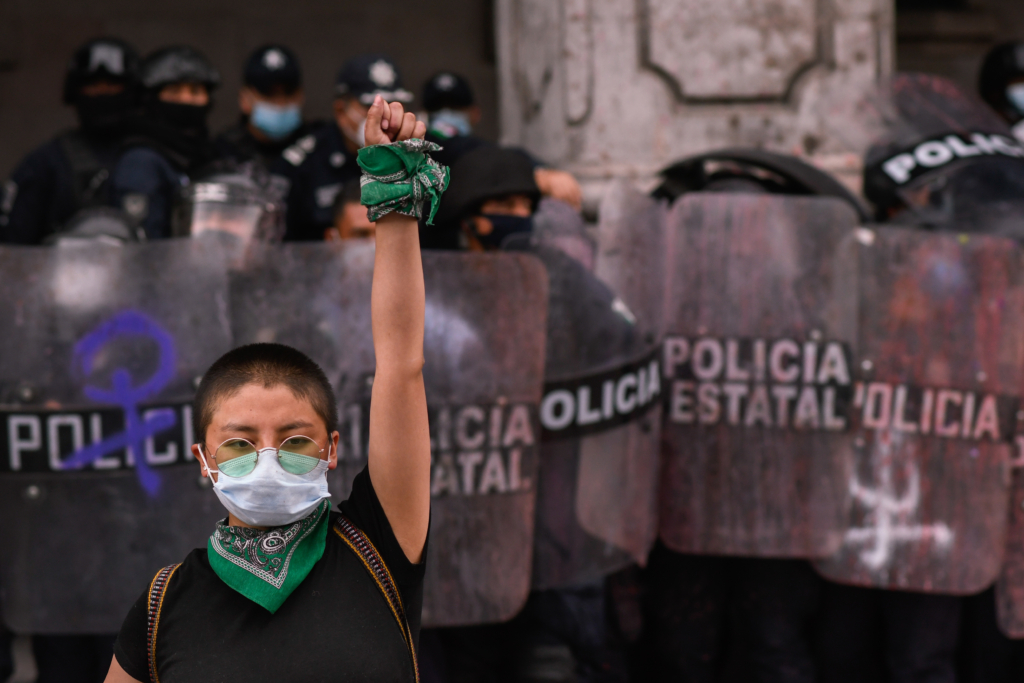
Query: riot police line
column 755, row 376
column 788, row 379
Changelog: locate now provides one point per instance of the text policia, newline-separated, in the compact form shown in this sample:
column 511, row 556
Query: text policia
column 808, row 386
column 475, row 449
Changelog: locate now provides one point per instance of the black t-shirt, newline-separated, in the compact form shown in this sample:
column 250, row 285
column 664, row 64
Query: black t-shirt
column 336, row 626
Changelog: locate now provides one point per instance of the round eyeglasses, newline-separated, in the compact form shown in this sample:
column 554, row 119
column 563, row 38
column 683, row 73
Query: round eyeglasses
column 297, row 455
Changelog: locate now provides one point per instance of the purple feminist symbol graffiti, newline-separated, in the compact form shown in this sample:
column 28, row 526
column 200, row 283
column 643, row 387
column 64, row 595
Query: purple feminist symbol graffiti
column 125, row 394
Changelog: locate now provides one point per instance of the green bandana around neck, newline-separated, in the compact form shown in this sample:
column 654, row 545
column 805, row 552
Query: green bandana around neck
column 266, row 565
column 399, row 177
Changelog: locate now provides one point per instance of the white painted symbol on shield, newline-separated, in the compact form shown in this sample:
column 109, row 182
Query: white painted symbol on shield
column 890, row 516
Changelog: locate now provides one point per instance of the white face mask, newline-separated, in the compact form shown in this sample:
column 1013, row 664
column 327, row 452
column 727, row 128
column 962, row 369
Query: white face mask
column 358, row 136
column 270, row 496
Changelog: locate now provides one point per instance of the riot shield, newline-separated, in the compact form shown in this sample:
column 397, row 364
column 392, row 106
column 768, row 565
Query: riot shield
column 933, row 412
column 484, row 352
column 601, row 409
column 98, row 489
column 759, row 318
column 941, row 153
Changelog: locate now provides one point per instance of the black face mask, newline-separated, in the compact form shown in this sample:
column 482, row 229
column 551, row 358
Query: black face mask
column 188, row 118
column 504, row 226
column 104, row 114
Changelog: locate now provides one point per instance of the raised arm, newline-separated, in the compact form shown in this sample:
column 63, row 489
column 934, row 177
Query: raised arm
column 399, row 449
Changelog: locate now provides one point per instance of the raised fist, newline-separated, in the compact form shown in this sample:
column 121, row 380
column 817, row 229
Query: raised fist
column 391, row 123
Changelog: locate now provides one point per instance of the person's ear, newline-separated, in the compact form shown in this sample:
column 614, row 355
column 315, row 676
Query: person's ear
column 246, row 101
column 332, row 459
column 202, row 462
column 475, row 115
column 300, row 97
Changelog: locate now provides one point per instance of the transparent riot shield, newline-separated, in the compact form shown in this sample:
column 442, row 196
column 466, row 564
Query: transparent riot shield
column 760, row 316
column 601, row 409
column 100, row 354
column 484, row 352
column 938, row 358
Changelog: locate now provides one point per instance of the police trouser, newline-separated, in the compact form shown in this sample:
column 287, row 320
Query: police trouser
column 73, row 659
column 6, row 654
column 866, row 634
column 561, row 636
column 727, row 618
column 985, row 654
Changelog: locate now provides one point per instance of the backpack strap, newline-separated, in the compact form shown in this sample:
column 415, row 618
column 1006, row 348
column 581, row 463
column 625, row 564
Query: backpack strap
column 157, row 590
column 355, row 539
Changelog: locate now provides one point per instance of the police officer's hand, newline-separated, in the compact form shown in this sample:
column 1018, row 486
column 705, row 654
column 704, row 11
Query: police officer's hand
column 559, row 185
column 391, row 123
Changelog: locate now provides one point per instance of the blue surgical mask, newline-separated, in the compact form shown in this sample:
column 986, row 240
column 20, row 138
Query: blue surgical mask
column 505, row 226
column 1015, row 93
column 274, row 121
column 270, row 495
column 450, row 123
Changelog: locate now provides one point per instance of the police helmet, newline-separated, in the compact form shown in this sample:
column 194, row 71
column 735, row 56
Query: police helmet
column 178, row 64
column 366, row 76
column 486, row 173
column 99, row 224
column 107, row 59
column 270, row 67
column 1002, row 66
column 752, row 170
column 447, row 90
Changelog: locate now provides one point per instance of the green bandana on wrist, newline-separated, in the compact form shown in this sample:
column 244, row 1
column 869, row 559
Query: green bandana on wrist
column 400, row 176
column 267, row 565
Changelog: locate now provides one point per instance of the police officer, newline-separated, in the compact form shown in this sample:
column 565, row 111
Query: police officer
column 172, row 141
column 271, row 102
column 71, row 171
column 562, row 634
column 1001, row 83
column 449, row 101
column 320, row 164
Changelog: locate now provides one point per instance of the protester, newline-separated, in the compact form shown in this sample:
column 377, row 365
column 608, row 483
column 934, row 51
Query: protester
column 71, row 172
column 281, row 563
column 171, row 142
column 270, row 102
column 319, row 165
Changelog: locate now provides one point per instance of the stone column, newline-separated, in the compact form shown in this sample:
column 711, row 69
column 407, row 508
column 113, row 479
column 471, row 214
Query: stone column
column 621, row 88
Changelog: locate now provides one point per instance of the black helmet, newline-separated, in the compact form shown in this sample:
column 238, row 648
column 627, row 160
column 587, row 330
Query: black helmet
column 178, row 64
column 366, row 76
column 109, row 59
column 485, row 173
column 272, row 66
column 447, row 90
column 1003, row 65
column 752, row 170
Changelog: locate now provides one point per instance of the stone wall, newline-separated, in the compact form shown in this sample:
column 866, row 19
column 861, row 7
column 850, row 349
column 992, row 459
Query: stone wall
column 623, row 87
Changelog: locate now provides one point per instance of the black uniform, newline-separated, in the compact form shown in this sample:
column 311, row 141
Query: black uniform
column 70, row 172
column 53, row 183
column 170, row 144
column 317, row 166
column 239, row 145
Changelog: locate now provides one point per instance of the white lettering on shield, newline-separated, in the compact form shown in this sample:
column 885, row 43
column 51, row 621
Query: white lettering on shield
column 756, row 382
